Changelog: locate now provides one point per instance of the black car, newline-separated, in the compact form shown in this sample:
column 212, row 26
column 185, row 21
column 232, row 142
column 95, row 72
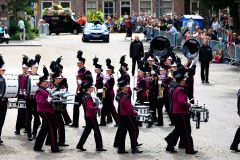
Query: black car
column 62, row 24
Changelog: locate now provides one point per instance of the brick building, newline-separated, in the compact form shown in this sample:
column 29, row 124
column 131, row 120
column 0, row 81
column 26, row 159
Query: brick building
column 115, row 6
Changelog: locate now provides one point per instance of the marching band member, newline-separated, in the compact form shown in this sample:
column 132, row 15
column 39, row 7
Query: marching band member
column 99, row 78
column 81, row 79
column 123, row 71
column 91, row 120
column 46, row 112
column 23, row 80
column 31, row 106
column 108, row 103
column 127, row 120
column 3, row 101
column 179, row 109
column 190, row 67
column 56, row 80
column 63, row 85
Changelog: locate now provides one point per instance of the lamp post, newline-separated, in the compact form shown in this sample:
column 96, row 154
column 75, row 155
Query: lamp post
column 3, row 6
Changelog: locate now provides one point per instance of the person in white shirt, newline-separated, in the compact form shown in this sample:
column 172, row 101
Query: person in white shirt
column 172, row 29
column 215, row 26
column 21, row 29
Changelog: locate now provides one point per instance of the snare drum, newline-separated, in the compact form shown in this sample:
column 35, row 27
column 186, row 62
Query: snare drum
column 142, row 109
column 9, row 86
column 12, row 103
column 143, row 117
column 32, row 85
column 21, row 103
column 200, row 114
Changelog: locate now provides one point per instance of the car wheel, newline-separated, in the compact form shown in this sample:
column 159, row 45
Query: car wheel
column 57, row 33
column 50, row 33
column 106, row 40
column 75, row 32
column 83, row 39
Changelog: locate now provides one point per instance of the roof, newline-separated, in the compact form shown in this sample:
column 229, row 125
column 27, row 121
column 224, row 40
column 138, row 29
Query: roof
column 192, row 16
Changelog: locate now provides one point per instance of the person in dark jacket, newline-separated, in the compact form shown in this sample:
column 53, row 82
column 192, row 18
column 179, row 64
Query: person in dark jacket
column 236, row 141
column 205, row 58
column 129, row 28
column 136, row 52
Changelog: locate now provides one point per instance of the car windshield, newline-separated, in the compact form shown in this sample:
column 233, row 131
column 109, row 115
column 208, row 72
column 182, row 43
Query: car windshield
column 98, row 26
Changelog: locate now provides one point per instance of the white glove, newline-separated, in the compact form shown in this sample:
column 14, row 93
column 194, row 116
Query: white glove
column 49, row 99
column 104, row 81
column 160, row 82
column 100, row 106
column 152, row 72
column 79, row 81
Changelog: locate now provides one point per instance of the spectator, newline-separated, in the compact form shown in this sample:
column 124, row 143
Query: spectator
column 172, row 29
column 134, row 21
column 125, row 15
column 32, row 20
column 185, row 31
column 231, row 23
column 220, row 44
column 163, row 26
column 205, row 58
column 136, row 52
column 221, row 18
column 226, row 24
column 234, row 38
column 84, row 19
column 129, row 28
column 215, row 26
column 116, row 16
column 175, row 23
column 121, row 19
column 22, row 31
column 139, row 18
column 187, row 35
column 1, row 30
column 109, row 18
column 169, row 20
column 211, row 35
column 237, row 41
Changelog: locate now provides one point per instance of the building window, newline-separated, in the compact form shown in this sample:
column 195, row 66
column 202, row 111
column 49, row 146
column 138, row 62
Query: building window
column 91, row 6
column 65, row 4
column 46, row 4
column 195, row 6
column 145, row 7
column 167, row 6
column 108, row 9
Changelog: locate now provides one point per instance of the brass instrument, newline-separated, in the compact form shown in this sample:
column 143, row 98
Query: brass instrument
column 78, row 85
column 161, row 90
column 171, row 73
column 155, row 78
column 147, row 91
column 104, row 91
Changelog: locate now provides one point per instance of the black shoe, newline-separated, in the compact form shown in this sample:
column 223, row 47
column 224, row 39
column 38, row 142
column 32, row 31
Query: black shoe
column 102, row 125
column 17, row 132
column 60, row 150
column 193, row 152
column 101, row 149
column 30, row 139
column 25, row 131
column 62, row 144
column 202, row 81
column 171, row 124
column 234, row 149
column 136, row 151
column 47, row 143
column 181, row 147
column 1, row 141
column 122, row 152
column 132, row 74
column 81, row 148
column 83, row 126
column 72, row 125
column 207, row 82
column 34, row 137
column 167, row 139
column 158, row 124
column 139, row 144
column 115, row 145
column 116, row 125
column 108, row 122
column 39, row 150
column 171, row 150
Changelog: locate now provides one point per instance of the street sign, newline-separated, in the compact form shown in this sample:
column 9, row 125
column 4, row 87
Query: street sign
column 35, row 8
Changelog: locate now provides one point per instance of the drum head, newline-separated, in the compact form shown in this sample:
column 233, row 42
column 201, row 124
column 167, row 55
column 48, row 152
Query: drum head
column 141, row 107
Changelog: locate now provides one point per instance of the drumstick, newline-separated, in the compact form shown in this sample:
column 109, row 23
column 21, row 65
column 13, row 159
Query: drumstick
column 191, row 99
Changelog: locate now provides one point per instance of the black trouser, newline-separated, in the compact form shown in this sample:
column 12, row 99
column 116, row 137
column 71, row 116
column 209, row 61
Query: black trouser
column 91, row 123
column 3, row 111
column 236, row 140
column 66, row 116
column 127, row 124
column 21, row 119
column 190, row 90
column 78, row 98
column 60, row 125
column 49, row 127
column 31, row 106
column 160, row 113
column 118, row 132
column 204, row 70
column 134, row 60
column 183, row 126
column 108, row 104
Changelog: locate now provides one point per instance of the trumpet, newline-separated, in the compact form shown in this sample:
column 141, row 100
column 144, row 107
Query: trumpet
column 147, row 91
column 155, row 78
column 104, row 91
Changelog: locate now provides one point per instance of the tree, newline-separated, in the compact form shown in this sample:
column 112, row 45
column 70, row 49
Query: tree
column 18, row 5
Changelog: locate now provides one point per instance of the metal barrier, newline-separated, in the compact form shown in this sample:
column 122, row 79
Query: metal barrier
column 216, row 46
column 43, row 30
column 148, row 33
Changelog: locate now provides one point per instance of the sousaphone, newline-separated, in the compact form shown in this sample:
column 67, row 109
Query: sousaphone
column 191, row 48
column 160, row 45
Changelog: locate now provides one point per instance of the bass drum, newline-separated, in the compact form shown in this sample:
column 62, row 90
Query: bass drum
column 9, row 86
column 32, row 85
